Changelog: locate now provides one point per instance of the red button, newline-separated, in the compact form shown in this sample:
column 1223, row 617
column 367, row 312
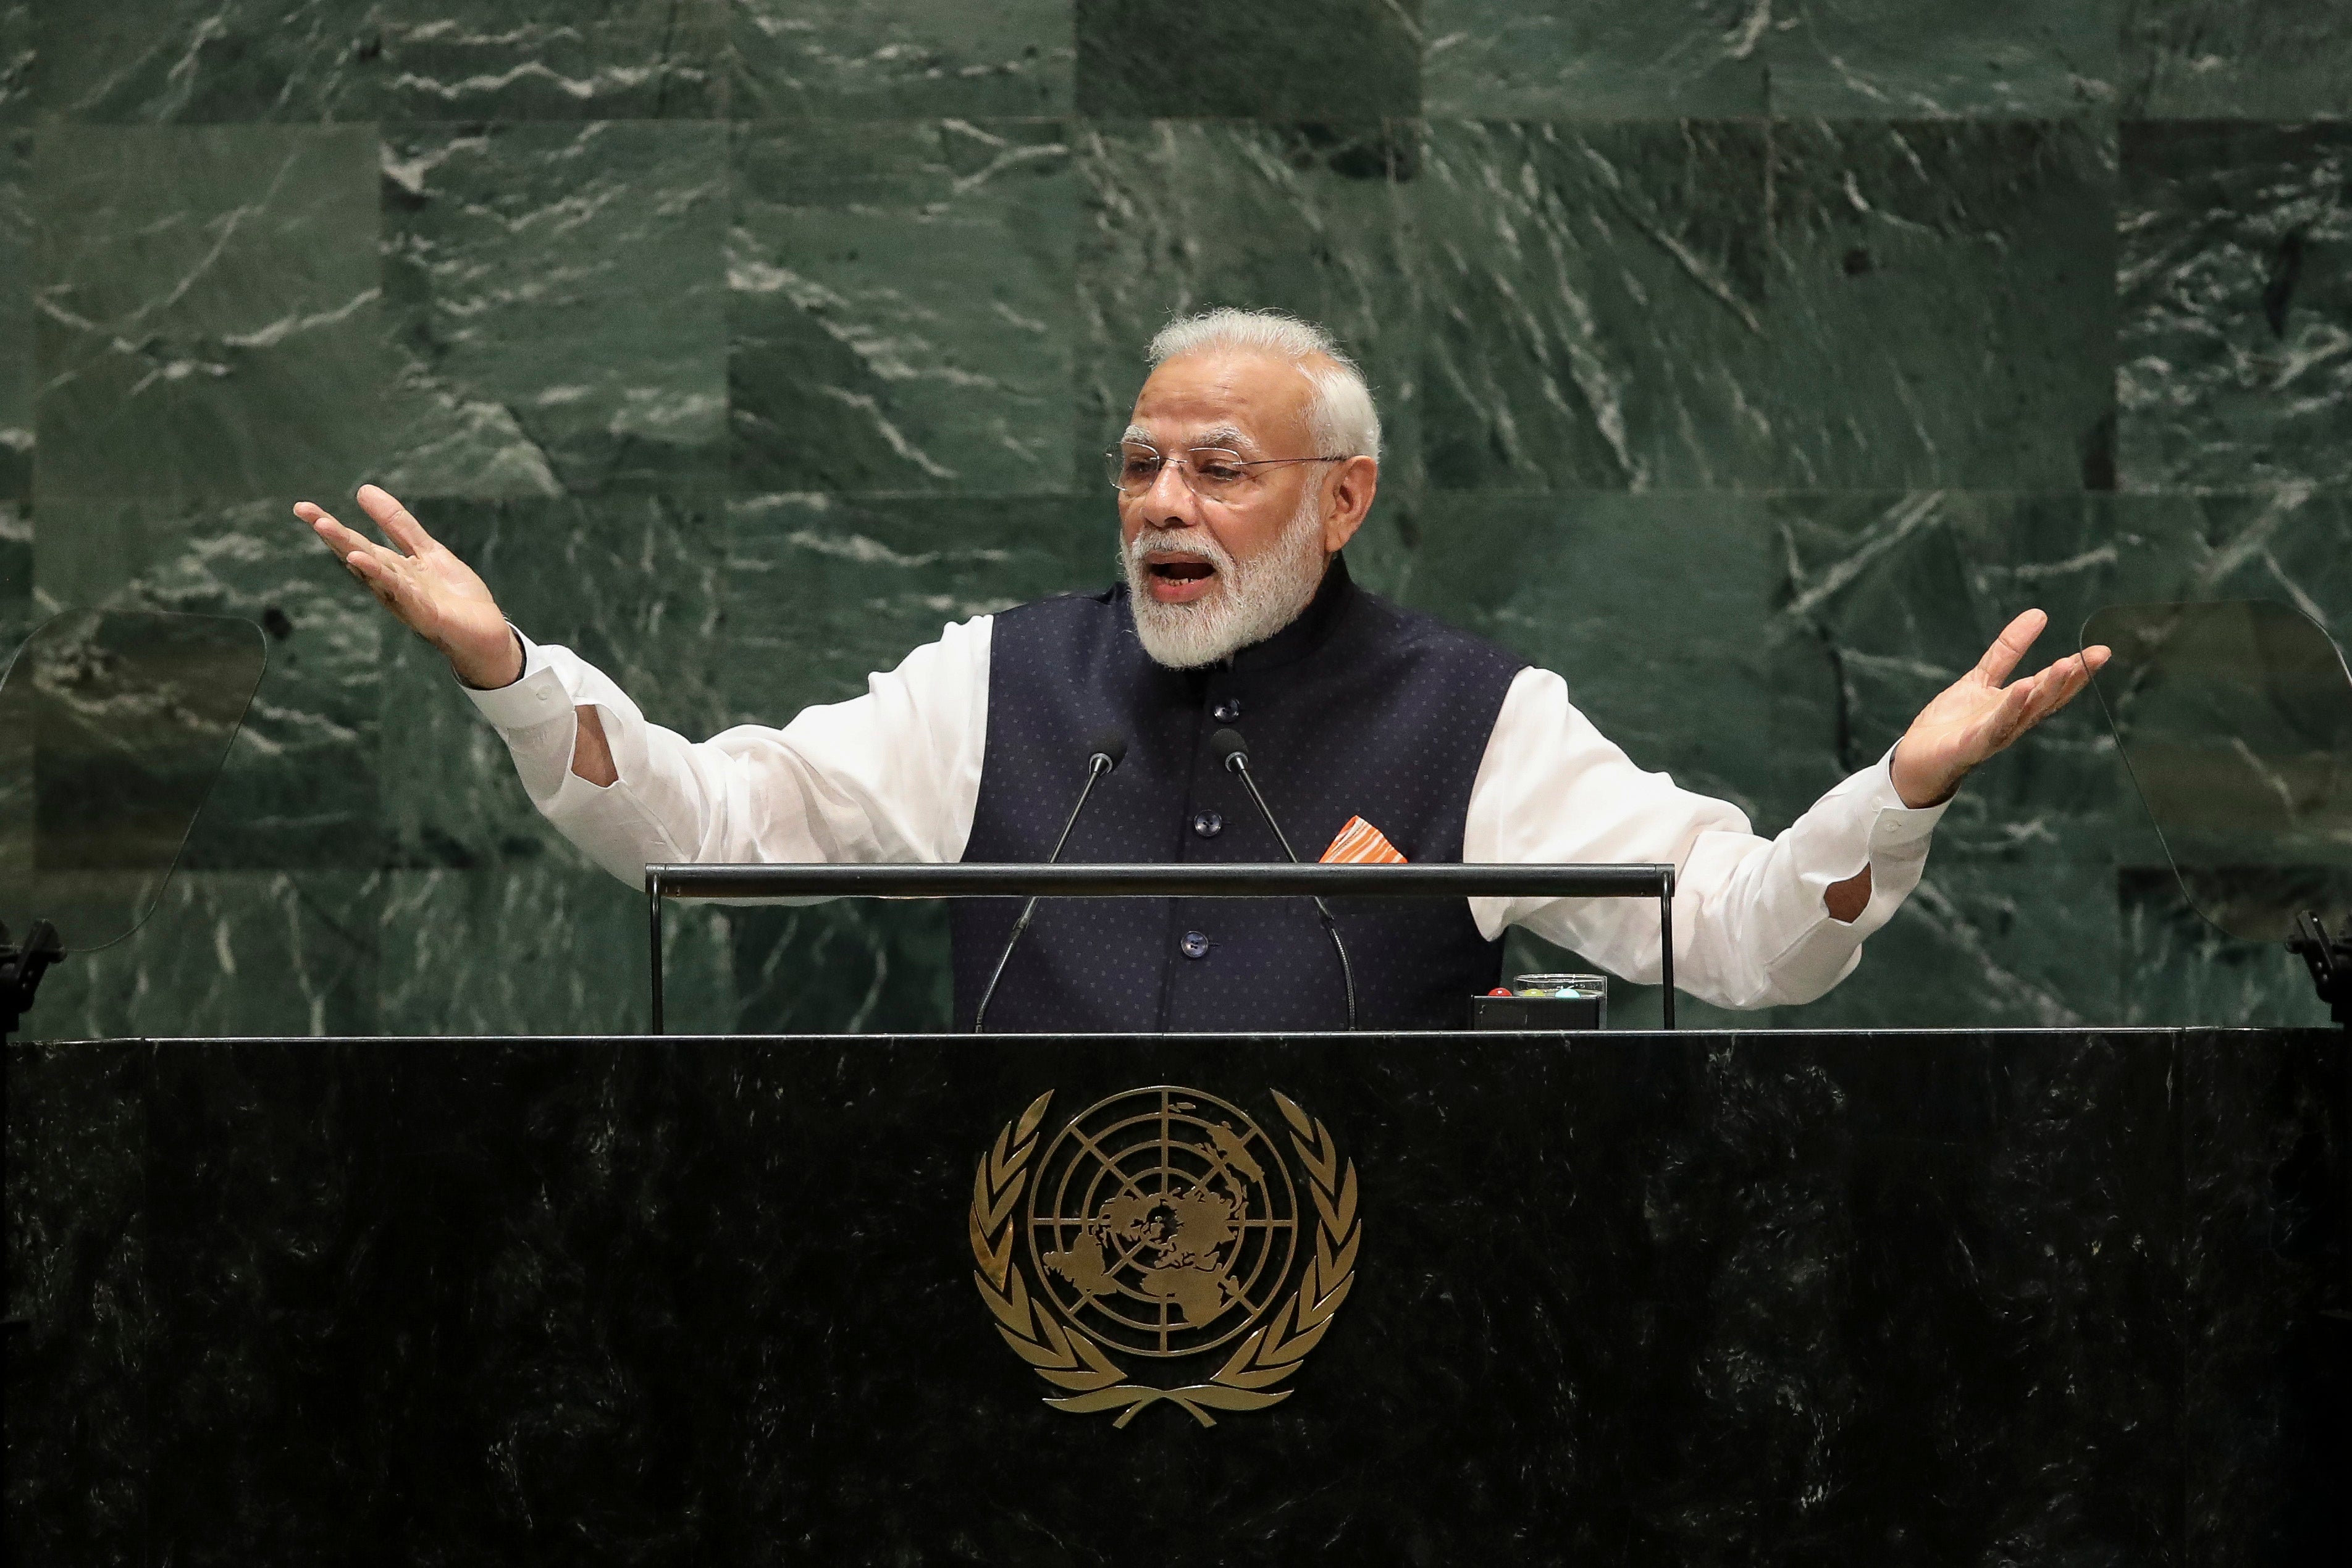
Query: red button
column 1500, row 992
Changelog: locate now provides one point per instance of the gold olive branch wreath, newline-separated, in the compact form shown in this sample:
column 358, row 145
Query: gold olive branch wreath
column 1067, row 1357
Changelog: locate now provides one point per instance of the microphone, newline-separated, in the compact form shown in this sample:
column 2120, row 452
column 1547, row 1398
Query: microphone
column 1233, row 751
column 1106, row 750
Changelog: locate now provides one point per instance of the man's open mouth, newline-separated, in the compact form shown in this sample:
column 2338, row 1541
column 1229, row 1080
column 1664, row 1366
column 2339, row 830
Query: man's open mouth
column 1178, row 577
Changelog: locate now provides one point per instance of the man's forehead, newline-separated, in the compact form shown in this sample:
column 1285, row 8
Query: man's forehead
column 1223, row 399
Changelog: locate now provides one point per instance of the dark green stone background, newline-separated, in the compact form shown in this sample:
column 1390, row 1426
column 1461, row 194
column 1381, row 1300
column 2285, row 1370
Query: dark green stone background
column 1748, row 363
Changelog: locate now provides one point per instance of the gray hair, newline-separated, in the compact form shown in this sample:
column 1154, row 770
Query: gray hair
column 1340, row 417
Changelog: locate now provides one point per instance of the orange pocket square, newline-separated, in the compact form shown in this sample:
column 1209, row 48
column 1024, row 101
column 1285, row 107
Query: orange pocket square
column 1361, row 843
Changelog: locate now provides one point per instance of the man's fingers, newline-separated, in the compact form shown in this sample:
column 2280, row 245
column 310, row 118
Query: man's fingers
column 2010, row 645
column 388, row 577
column 2061, row 683
column 376, row 578
column 398, row 524
column 344, row 542
column 378, row 575
column 2016, row 701
column 2051, row 688
column 316, row 515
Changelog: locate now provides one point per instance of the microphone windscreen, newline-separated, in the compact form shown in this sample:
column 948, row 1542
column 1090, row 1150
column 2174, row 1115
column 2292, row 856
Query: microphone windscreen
column 1228, row 744
column 1108, row 743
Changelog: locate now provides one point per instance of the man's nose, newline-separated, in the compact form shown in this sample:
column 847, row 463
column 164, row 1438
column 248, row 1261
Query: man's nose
column 1170, row 496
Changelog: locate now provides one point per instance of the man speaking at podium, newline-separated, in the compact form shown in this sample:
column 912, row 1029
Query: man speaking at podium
column 1251, row 460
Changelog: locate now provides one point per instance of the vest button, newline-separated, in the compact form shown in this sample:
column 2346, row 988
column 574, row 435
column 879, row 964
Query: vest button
column 1208, row 824
column 1196, row 945
column 1227, row 710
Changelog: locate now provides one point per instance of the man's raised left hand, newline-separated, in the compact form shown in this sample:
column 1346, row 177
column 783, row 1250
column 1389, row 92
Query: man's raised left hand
column 1976, row 715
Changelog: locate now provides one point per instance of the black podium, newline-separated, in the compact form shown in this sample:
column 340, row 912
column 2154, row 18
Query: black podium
column 1781, row 1298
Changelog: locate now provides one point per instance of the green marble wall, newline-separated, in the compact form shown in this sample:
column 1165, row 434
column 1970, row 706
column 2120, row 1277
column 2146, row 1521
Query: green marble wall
column 1749, row 364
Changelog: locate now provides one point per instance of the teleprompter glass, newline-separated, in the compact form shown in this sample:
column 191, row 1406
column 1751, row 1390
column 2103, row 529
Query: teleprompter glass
column 2235, row 721
column 113, row 727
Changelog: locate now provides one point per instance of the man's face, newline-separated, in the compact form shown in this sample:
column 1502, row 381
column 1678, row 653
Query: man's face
column 1251, row 404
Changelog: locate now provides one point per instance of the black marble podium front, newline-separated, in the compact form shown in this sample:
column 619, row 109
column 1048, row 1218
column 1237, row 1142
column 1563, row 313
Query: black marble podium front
column 1784, row 1298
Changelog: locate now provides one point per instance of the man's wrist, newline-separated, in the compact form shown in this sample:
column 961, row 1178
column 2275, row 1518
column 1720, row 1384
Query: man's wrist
column 1910, row 797
column 494, row 679
column 1917, row 794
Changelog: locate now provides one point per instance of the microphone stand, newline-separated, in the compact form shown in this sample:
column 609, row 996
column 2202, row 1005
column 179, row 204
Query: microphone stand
column 1238, row 762
column 1099, row 764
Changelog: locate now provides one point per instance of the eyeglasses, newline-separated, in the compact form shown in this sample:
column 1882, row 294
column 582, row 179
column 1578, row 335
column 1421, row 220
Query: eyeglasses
column 1214, row 473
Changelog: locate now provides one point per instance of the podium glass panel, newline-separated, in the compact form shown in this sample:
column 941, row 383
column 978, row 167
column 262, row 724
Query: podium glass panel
column 2236, row 722
column 114, row 726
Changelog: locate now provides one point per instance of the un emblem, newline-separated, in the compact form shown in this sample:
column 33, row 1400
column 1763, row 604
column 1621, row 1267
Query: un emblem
column 1163, row 1223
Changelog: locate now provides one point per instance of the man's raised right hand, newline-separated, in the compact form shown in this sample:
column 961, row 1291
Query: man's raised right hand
column 433, row 593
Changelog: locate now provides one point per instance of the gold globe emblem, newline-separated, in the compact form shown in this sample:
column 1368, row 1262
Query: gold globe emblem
column 1162, row 1221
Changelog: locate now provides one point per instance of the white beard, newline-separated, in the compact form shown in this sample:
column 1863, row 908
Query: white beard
column 1251, row 603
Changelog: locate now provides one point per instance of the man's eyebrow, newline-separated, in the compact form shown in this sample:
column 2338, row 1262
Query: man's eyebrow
column 1229, row 436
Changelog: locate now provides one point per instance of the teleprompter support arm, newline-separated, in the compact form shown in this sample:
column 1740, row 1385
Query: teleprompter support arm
column 1269, row 881
column 21, row 969
column 2329, row 959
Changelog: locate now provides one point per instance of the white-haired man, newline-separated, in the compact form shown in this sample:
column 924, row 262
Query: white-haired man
column 1250, row 461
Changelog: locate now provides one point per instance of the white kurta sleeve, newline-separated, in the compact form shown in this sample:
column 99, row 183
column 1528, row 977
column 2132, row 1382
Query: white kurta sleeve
column 1750, row 926
column 891, row 776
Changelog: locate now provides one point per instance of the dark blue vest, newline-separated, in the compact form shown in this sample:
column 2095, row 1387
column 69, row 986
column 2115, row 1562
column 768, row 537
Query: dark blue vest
column 1360, row 708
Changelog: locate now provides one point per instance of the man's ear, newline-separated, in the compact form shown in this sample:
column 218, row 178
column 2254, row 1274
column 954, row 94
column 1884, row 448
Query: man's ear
column 1347, row 499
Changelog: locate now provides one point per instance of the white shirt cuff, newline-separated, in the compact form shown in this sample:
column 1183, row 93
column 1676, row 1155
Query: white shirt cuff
column 535, row 697
column 1897, row 825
